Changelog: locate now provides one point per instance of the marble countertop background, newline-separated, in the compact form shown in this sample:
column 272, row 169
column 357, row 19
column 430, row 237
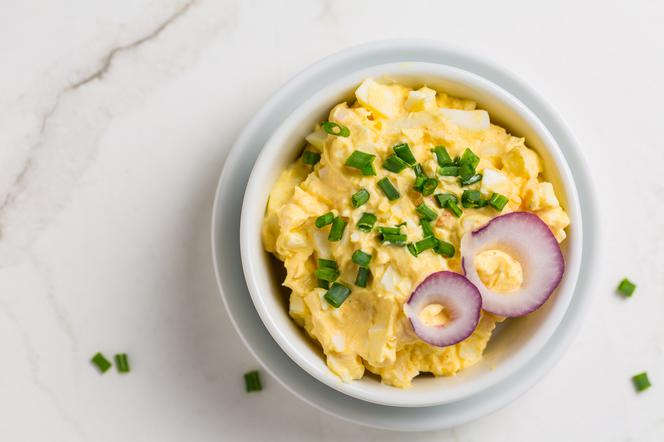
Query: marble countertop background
column 115, row 120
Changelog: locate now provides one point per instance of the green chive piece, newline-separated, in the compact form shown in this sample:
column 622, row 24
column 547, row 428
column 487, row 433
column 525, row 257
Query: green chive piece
column 429, row 186
column 360, row 160
column 444, row 248
column 394, row 164
column 388, row 189
column 426, row 212
column 472, row 180
column 641, row 381
column 397, row 239
column 323, row 284
column 366, row 222
column 101, row 362
column 427, row 230
column 498, row 201
column 448, row 171
column 469, row 158
column 324, row 220
column 412, row 249
column 472, row 198
column 337, row 294
column 362, row 277
column 389, row 230
column 368, row 170
column 360, row 197
column 122, row 363
column 333, row 128
column 404, row 152
column 454, row 208
column 626, row 287
column 418, row 170
column 337, row 230
column 327, row 264
column 252, row 381
column 419, row 183
column 326, row 274
column 427, row 243
column 309, row 157
column 361, row 258
column 444, row 198
column 442, row 156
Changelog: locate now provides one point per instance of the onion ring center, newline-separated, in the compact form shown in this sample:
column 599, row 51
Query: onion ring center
column 435, row 315
column 499, row 270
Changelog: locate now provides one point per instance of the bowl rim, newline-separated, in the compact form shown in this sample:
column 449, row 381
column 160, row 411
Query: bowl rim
column 311, row 362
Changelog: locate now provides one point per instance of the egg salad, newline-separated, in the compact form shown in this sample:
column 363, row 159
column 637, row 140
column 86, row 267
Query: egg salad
column 380, row 198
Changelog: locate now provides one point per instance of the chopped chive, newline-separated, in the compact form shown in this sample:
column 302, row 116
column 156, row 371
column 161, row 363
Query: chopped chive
column 626, row 287
column 333, row 128
column 252, row 381
column 327, row 264
column 323, row 284
column 498, row 201
column 472, row 180
column 442, row 156
column 394, row 164
column 418, row 170
column 122, row 363
column 389, row 230
column 427, row 243
column 469, row 158
column 419, row 183
column 337, row 294
column 412, row 249
column 388, row 189
column 426, row 212
column 360, row 160
column 426, row 227
column 404, row 152
column 337, row 230
column 641, row 381
column 361, row 258
column 360, row 197
column 472, row 198
column 327, row 274
column 448, row 171
column 429, row 186
column 397, row 239
column 444, row 248
column 454, row 208
column 443, row 198
column 362, row 277
column 324, row 220
column 309, row 157
column 101, row 362
column 366, row 222
column 368, row 170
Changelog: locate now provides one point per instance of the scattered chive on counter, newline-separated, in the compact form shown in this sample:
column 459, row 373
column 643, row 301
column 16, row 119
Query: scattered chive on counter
column 324, row 220
column 100, row 361
column 641, row 381
column 360, row 197
column 337, row 294
column 252, row 381
column 388, row 189
column 309, row 157
column 122, row 363
column 366, row 222
column 335, row 129
column 626, row 287
column 337, row 230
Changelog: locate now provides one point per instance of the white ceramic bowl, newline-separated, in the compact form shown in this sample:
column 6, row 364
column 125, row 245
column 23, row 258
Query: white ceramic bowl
column 514, row 343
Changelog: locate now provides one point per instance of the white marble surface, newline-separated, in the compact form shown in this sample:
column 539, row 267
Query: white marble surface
column 115, row 119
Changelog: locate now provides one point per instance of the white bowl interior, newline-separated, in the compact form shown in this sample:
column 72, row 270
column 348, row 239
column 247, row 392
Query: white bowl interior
column 514, row 343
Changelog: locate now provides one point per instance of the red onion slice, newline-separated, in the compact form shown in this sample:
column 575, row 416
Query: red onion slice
column 461, row 301
column 528, row 239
